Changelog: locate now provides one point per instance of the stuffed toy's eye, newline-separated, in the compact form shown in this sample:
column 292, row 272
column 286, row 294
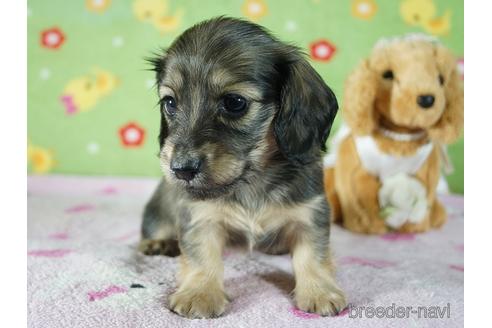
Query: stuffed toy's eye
column 388, row 75
column 169, row 105
column 234, row 105
column 441, row 79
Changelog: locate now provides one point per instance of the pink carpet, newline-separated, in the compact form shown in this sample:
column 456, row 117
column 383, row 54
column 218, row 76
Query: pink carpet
column 83, row 270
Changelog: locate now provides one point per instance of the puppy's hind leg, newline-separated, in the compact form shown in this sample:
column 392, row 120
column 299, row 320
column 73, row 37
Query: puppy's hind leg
column 158, row 227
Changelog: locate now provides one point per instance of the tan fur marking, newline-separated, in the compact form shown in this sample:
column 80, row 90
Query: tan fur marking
column 257, row 223
column 173, row 78
column 165, row 158
column 165, row 91
column 247, row 90
column 316, row 289
column 201, row 290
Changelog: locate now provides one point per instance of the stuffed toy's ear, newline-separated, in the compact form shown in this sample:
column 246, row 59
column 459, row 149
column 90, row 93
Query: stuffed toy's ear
column 449, row 126
column 360, row 92
column 307, row 110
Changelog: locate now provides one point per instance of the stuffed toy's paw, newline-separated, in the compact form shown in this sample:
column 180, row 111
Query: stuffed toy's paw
column 402, row 198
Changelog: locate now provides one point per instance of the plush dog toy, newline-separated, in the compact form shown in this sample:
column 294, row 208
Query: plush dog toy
column 401, row 106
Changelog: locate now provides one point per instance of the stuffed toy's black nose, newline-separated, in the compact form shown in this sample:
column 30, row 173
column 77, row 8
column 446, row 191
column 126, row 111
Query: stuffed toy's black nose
column 186, row 170
column 425, row 101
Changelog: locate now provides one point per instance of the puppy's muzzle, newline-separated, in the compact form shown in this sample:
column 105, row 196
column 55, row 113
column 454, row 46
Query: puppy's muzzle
column 186, row 168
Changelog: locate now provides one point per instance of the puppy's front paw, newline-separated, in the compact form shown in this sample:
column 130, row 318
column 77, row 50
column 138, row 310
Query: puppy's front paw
column 324, row 301
column 159, row 247
column 199, row 303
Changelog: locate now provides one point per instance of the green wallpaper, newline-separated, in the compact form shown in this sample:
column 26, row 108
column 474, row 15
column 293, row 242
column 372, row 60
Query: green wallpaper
column 91, row 106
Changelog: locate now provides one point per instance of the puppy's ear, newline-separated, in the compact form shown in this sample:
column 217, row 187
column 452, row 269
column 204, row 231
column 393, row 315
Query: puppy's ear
column 358, row 101
column 307, row 110
column 449, row 126
column 158, row 65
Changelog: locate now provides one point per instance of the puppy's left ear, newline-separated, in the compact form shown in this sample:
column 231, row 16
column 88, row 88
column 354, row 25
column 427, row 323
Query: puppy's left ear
column 307, row 110
column 449, row 126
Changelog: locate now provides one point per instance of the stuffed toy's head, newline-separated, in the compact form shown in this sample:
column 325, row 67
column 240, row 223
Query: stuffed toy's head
column 408, row 84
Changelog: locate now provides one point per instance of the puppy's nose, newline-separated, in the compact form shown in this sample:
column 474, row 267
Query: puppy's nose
column 187, row 169
column 425, row 101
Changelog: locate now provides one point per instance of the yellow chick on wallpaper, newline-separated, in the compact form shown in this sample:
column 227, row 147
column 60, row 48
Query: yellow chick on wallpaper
column 82, row 94
column 41, row 160
column 156, row 13
column 423, row 13
column 167, row 24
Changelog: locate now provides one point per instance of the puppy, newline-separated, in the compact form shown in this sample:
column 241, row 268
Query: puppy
column 244, row 120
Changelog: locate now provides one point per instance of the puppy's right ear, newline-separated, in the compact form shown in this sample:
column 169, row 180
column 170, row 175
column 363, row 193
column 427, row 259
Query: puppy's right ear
column 358, row 100
column 158, row 65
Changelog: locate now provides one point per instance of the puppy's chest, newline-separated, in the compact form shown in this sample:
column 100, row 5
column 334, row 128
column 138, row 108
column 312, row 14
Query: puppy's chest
column 254, row 224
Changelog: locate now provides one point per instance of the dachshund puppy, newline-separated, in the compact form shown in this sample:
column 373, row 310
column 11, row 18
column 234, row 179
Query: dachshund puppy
column 244, row 120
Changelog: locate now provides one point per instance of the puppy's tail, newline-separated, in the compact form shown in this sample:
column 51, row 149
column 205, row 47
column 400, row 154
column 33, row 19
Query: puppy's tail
column 331, row 195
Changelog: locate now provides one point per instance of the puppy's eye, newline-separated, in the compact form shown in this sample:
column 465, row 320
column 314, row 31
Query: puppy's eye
column 388, row 75
column 234, row 105
column 441, row 79
column 169, row 105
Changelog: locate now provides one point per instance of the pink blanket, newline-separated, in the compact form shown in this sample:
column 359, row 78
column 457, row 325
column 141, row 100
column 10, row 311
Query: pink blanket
column 84, row 271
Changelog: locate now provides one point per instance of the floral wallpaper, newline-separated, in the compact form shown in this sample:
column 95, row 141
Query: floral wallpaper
column 92, row 105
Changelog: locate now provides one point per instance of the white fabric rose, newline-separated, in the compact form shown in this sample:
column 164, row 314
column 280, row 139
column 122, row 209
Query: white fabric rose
column 402, row 198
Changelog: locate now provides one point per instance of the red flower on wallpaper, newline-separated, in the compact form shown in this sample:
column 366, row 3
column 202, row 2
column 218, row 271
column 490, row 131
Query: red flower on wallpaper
column 52, row 38
column 322, row 50
column 132, row 135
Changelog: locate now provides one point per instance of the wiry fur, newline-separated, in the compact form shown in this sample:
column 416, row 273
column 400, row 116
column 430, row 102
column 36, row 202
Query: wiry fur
column 261, row 184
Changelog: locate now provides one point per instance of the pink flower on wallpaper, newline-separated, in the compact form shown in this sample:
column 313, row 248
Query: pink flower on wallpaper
column 322, row 50
column 52, row 38
column 132, row 135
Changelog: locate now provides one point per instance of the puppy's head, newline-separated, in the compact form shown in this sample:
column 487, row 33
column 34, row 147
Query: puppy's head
column 409, row 82
column 232, row 95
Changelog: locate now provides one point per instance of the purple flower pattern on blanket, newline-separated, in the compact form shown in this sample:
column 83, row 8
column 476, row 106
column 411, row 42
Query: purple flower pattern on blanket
column 67, row 246
column 457, row 267
column 50, row 252
column 303, row 315
column 59, row 236
column 80, row 208
column 113, row 289
column 109, row 190
column 460, row 247
column 379, row 264
column 393, row 236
